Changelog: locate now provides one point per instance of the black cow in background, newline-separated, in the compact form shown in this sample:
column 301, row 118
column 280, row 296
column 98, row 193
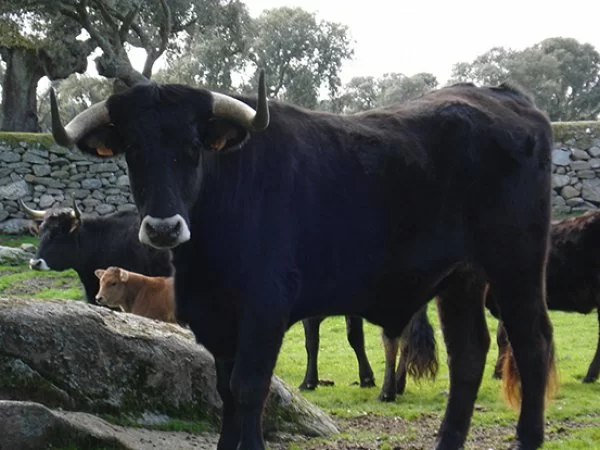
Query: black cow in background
column 417, row 347
column 84, row 243
column 356, row 339
column 573, row 279
column 274, row 214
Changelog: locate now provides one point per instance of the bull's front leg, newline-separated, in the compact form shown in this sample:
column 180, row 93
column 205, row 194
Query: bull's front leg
column 260, row 336
column 230, row 426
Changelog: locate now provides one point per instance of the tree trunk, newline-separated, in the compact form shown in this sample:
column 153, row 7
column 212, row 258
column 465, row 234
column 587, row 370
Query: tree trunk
column 19, row 102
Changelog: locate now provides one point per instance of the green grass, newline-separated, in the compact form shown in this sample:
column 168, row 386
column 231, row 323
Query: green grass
column 11, row 240
column 20, row 282
column 576, row 338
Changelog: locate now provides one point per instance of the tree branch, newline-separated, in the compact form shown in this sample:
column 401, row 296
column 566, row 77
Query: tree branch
column 127, row 21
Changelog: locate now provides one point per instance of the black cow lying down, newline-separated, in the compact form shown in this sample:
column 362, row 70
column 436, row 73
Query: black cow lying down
column 274, row 214
column 72, row 240
column 573, row 278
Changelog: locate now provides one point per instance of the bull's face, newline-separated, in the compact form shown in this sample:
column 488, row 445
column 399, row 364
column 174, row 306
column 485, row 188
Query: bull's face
column 58, row 230
column 164, row 132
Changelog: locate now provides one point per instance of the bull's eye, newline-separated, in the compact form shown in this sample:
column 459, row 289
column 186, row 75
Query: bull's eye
column 114, row 283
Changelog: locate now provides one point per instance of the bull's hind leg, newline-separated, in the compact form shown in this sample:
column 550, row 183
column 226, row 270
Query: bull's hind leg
column 594, row 369
column 356, row 338
column 513, row 257
column 530, row 333
column 462, row 317
column 390, row 347
column 311, row 342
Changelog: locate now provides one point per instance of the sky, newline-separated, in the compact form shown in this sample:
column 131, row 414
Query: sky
column 432, row 35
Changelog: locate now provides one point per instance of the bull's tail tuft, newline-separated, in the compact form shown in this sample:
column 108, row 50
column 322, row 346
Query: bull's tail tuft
column 418, row 341
column 511, row 380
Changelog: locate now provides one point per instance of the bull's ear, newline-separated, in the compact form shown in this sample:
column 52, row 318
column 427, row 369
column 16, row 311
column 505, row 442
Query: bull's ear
column 99, row 273
column 34, row 227
column 123, row 275
column 102, row 141
column 223, row 135
column 75, row 223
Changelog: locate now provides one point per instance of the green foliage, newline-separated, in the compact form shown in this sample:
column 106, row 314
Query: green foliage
column 211, row 55
column 74, row 95
column 364, row 93
column 562, row 74
column 299, row 54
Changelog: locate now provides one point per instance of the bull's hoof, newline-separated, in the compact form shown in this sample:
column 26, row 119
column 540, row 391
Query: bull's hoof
column 386, row 397
column 521, row 446
column 589, row 379
column 307, row 386
column 367, row 382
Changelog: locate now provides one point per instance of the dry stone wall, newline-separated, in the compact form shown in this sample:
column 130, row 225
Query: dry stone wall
column 43, row 174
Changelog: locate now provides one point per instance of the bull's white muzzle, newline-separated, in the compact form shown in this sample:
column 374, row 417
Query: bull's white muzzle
column 165, row 232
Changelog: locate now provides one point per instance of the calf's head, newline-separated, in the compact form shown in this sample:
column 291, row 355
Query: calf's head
column 164, row 131
column 113, row 286
column 58, row 229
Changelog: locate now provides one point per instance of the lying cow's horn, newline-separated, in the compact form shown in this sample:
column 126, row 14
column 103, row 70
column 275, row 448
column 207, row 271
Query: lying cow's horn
column 231, row 108
column 33, row 213
column 76, row 210
column 82, row 123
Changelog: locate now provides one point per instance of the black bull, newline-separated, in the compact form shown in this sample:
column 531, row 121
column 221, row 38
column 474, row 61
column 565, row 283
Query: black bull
column 318, row 214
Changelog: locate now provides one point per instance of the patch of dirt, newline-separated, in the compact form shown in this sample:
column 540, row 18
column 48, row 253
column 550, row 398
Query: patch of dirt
column 29, row 286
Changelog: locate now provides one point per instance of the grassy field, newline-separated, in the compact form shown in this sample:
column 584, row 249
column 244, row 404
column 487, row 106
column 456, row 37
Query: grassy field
column 573, row 418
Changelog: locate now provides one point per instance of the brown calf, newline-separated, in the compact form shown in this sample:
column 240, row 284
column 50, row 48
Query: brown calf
column 151, row 297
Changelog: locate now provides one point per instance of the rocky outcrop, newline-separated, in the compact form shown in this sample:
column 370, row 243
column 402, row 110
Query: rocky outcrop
column 78, row 357
column 16, row 256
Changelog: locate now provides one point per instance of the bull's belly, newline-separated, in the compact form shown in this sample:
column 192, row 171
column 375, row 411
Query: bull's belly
column 388, row 300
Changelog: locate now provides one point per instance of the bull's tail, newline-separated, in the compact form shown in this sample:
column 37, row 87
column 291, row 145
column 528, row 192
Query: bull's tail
column 511, row 380
column 418, row 341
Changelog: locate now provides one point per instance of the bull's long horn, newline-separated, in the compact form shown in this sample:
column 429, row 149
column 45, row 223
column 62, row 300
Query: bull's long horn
column 231, row 108
column 76, row 210
column 33, row 213
column 94, row 116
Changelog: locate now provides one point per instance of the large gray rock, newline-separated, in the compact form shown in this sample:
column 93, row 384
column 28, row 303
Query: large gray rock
column 31, row 426
column 14, row 256
column 80, row 357
column 16, row 226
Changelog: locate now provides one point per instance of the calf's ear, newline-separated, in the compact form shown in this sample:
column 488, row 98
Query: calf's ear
column 123, row 275
column 99, row 273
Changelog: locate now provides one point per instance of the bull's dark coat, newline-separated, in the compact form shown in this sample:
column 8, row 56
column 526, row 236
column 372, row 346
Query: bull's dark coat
column 365, row 214
column 91, row 243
